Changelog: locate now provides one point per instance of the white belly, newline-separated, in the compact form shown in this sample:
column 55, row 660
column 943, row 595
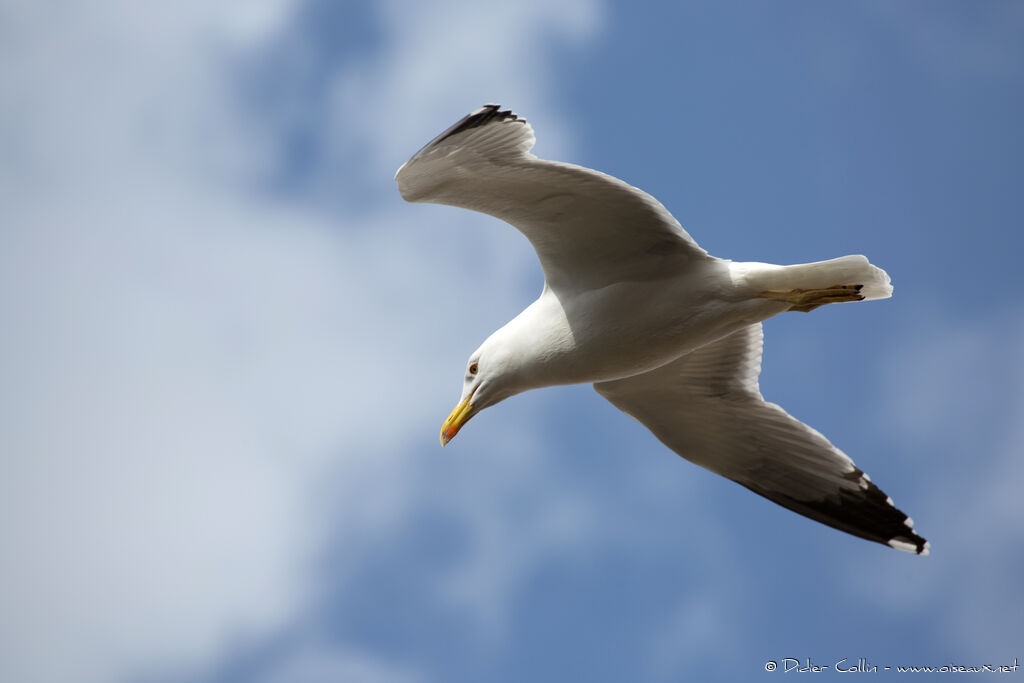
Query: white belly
column 634, row 327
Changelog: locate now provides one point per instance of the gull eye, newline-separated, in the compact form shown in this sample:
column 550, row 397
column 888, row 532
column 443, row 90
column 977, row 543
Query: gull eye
column 473, row 368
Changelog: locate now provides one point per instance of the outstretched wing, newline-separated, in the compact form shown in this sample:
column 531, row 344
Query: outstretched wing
column 588, row 228
column 706, row 406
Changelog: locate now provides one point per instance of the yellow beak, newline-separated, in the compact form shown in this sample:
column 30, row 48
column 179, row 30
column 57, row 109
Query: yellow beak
column 454, row 423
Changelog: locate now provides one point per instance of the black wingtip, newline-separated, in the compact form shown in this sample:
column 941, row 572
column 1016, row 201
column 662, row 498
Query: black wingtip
column 910, row 542
column 865, row 511
column 869, row 513
column 482, row 116
column 907, row 539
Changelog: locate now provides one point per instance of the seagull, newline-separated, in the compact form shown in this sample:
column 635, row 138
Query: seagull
column 667, row 333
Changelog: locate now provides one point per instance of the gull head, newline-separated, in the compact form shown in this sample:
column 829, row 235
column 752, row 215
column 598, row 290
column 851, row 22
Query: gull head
column 492, row 375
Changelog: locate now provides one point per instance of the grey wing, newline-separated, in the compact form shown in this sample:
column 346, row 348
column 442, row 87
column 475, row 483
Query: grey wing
column 707, row 407
column 588, row 228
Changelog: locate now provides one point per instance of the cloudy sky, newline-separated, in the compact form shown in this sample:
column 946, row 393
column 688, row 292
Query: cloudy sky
column 226, row 345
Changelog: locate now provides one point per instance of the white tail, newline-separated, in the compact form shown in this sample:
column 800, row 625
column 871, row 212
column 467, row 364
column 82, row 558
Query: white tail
column 845, row 270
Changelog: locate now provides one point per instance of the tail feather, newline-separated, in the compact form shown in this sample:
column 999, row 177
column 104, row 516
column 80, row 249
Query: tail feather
column 845, row 270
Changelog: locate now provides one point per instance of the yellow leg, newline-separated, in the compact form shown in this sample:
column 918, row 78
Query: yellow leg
column 805, row 300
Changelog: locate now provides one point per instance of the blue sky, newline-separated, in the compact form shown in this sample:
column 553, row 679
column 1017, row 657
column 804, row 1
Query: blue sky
column 227, row 344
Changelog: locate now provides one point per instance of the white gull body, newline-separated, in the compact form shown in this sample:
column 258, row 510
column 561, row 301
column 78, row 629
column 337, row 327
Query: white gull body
column 668, row 333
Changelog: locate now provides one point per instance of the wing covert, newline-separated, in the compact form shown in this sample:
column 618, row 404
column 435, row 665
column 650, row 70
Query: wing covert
column 589, row 229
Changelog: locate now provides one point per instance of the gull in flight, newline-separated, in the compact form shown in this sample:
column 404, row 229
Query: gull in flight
column 668, row 333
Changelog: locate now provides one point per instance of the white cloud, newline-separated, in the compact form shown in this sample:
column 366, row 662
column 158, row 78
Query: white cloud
column 321, row 664
column 454, row 55
column 514, row 518
column 183, row 363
